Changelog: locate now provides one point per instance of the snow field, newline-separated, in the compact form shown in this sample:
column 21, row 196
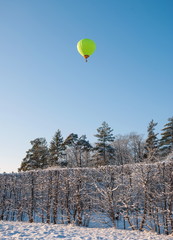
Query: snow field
column 21, row 230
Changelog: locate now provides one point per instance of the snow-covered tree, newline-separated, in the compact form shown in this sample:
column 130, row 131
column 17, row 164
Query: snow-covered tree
column 37, row 156
column 131, row 195
column 123, row 153
column 103, row 150
column 136, row 145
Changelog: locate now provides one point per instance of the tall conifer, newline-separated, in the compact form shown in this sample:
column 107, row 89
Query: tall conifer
column 36, row 157
column 103, row 148
column 56, row 150
column 166, row 141
column 151, row 145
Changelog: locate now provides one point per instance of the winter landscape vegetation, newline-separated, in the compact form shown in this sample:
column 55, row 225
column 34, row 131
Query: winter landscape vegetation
column 122, row 182
column 86, row 148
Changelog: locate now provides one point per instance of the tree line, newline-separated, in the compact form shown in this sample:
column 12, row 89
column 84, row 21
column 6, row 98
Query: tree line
column 131, row 196
column 109, row 149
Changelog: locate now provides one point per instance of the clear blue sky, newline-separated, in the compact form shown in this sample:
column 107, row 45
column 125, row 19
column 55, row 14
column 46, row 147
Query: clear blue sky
column 45, row 85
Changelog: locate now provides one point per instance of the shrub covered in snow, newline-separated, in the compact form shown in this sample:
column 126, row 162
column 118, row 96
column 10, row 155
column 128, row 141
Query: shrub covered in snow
column 137, row 196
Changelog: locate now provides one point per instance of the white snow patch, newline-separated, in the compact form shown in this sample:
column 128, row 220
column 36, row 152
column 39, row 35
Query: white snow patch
column 20, row 230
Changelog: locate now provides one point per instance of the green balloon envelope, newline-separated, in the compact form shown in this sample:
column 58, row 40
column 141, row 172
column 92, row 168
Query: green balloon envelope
column 86, row 47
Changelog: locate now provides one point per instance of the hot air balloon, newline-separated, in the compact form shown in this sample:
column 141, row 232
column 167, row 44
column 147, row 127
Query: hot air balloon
column 86, row 47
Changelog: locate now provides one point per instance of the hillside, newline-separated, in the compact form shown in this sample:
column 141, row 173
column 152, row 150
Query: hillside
column 137, row 196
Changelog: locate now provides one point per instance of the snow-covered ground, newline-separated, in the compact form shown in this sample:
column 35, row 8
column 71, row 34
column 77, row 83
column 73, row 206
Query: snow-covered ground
column 20, row 230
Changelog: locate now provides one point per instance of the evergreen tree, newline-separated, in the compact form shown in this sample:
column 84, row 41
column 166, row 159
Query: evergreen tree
column 166, row 141
column 84, row 148
column 104, row 150
column 56, row 150
column 36, row 157
column 151, row 144
column 71, row 140
column 77, row 147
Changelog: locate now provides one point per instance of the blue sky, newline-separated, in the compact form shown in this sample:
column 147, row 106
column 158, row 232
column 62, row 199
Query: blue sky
column 45, row 85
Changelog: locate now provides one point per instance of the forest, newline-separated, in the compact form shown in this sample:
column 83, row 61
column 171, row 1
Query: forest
column 121, row 181
column 131, row 196
column 109, row 149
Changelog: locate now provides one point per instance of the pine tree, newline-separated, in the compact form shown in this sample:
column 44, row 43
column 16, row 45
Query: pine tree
column 151, row 144
column 56, row 150
column 166, row 141
column 77, row 147
column 71, row 139
column 36, row 157
column 84, row 148
column 103, row 148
